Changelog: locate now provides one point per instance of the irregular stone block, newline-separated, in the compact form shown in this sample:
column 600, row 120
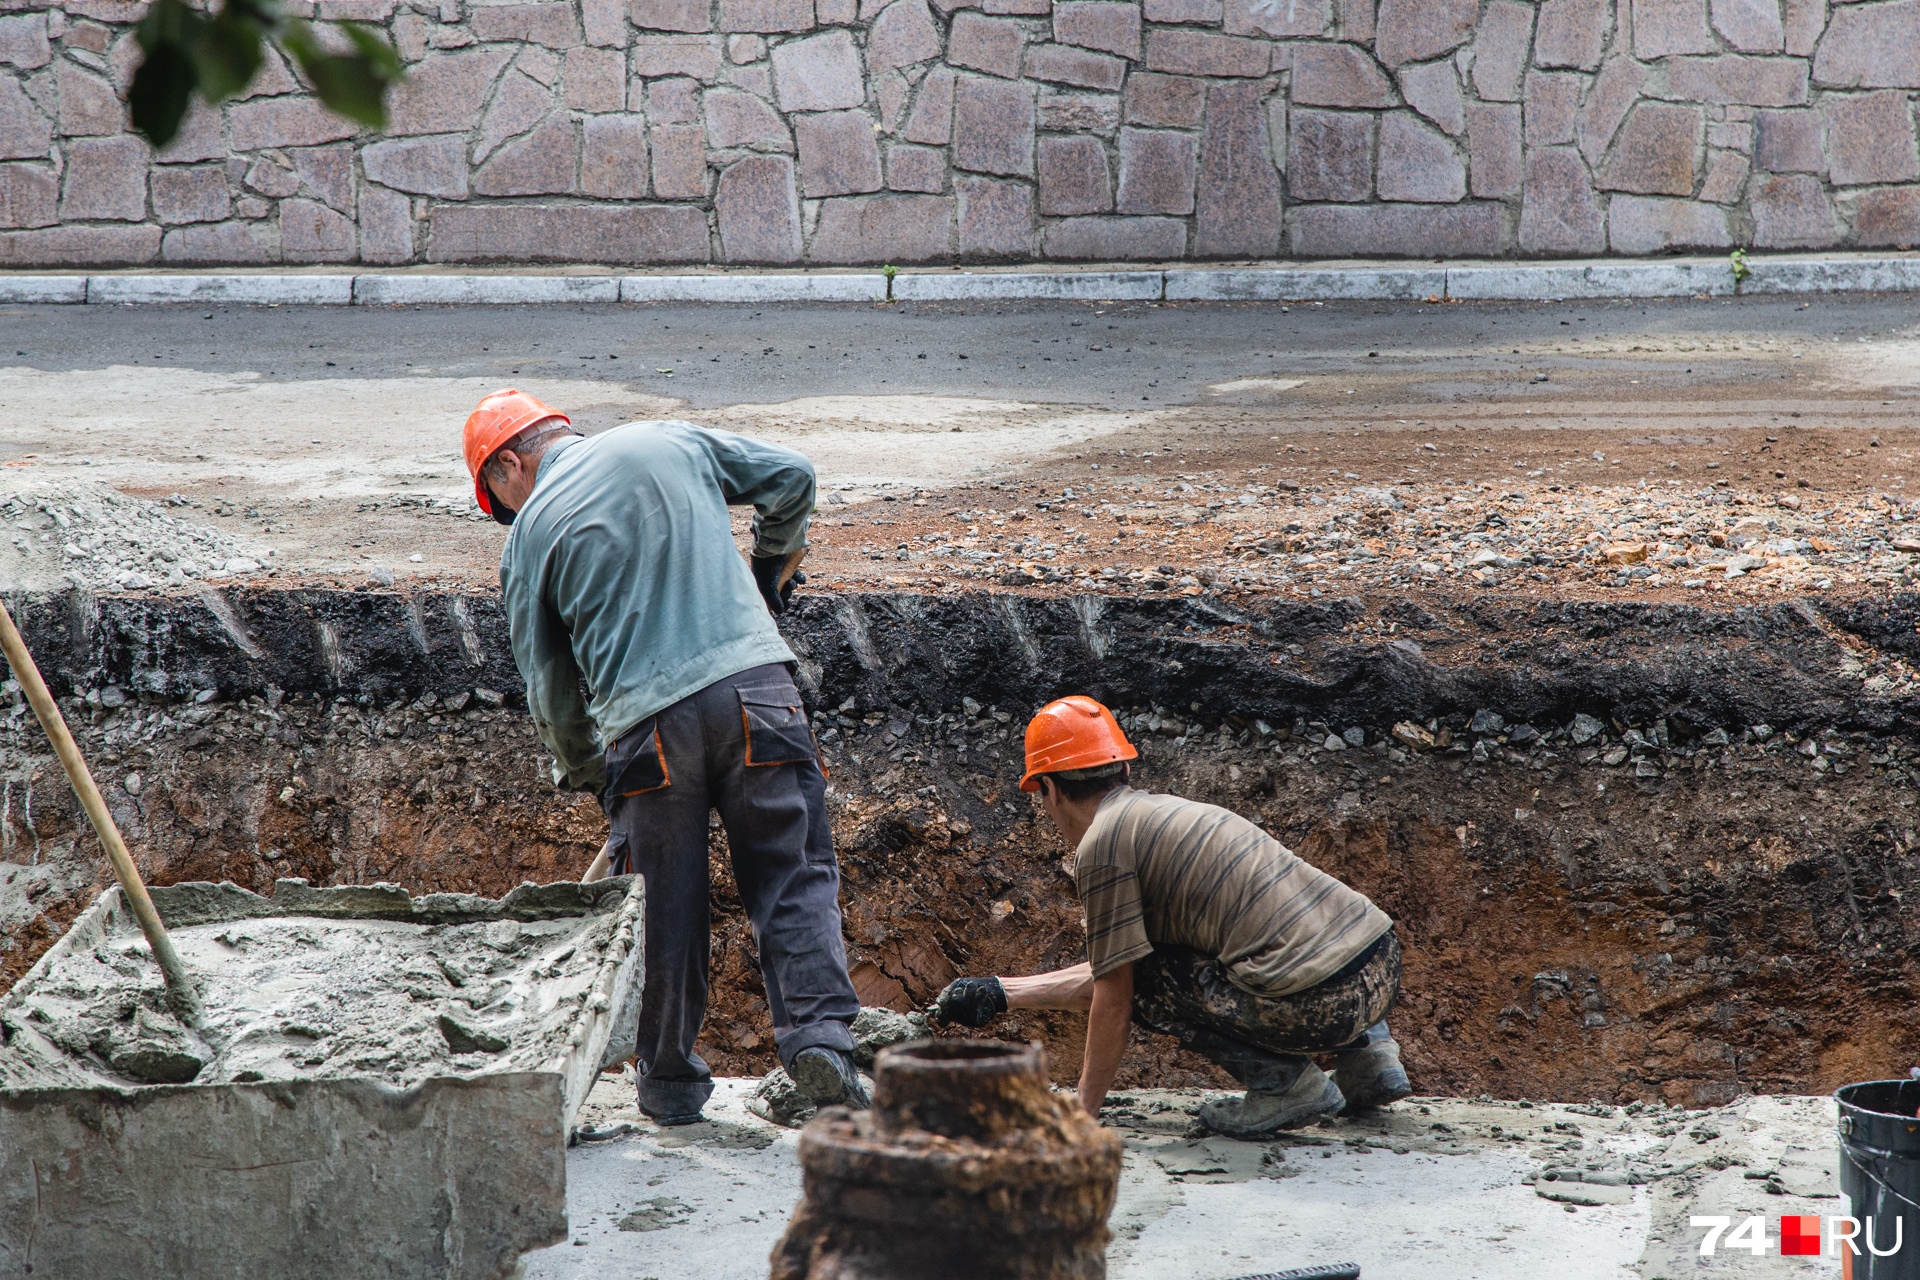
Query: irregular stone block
column 290, row 122
column 1417, row 163
column 1165, row 100
column 88, row 104
column 1805, row 20
column 1735, row 78
column 1198, row 53
column 1061, row 64
column 1290, row 18
column 932, row 118
column 819, row 73
column 875, row 229
column 326, row 174
column 603, row 22
column 1096, row 113
column 1789, row 142
column 1869, row 139
column 911, row 168
column 1871, row 46
column 1640, row 224
column 736, row 119
column 1111, row 26
column 1736, row 136
column 766, row 16
column 24, row 132
column 567, row 233
column 691, row 16
column 1014, row 8
column 226, row 243
column 1551, row 106
column 1654, row 155
column 386, row 227
column 1398, row 231
column 199, row 137
column 679, row 161
column 1201, row 11
column 184, row 195
column 614, row 161
column 1338, row 75
column 1356, row 20
column 993, row 127
column 1329, row 156
column 1726, row 179
column 1493, row 148
column 1074, row 177
column 539, row 164
column 891, row 90
column 674, row 101
column 23, row 41
column 1573, row 33
column 80, row 246
column 1098, row 239
column 1791, row 211
column 596, row 79
column 695, row 56
column 520, row 105
column 106, row 179
column 1237, row 204
column 28, row 195
column 991, row 45
column 996, row 218
column 902, row 35
column 836, row 13
column 1156, row 172
column 756, row 80
column 758, row 211
column 1558, row 211
column 444, row 94
column 1665, row 27
column 1750, row 26
column 1416, row 30
column 747, row 48
column 1889, row 217
column 550, row 24
column 271, row 175
column 311, row 232
column 423, row 166
column 838, row 154
column 1614, row 91
column 1500, row 50
column 1434, row 91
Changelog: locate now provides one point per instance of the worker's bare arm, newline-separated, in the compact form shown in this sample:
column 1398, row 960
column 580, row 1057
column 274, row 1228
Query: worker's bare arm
column 1107, row 1022
column 1061, row 989
column 601, row 861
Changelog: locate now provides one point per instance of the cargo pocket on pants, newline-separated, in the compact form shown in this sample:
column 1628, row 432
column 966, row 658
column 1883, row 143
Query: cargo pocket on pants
column 635, row 765
column 776, row 727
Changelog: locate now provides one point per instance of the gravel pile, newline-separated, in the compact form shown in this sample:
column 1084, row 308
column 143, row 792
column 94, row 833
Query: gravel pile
column 68, row 534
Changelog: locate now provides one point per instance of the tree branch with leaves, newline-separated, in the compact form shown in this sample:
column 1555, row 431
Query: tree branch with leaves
column 216, row 55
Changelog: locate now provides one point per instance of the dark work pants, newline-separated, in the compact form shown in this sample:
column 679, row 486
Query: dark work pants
column 740, row 746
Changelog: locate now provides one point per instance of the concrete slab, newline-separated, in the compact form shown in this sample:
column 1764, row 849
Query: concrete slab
column 1432, row 1189
column 795, row 287
column 1833, row 275
column 57, row 289
column 1541, row 281
column 1308, row 284
column 383, row 290
column 262, row 289
column 1076, row 286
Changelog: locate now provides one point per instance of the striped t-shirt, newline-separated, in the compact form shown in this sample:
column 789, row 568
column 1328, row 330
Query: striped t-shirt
column 1161, row 870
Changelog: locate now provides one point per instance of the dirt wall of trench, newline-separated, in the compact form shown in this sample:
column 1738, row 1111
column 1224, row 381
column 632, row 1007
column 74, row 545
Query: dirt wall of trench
column 1691, row 921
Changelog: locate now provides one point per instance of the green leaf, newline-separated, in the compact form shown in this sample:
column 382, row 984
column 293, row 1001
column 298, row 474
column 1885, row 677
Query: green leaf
column 227, row 54
column 161, row 91
column 168, row 22
column 353, row 84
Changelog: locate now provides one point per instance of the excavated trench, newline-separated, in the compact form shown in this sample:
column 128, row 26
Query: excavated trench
column 1635, row 851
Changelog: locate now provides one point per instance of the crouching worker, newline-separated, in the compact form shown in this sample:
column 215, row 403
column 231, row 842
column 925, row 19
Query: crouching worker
column 1202, row 926
column 656, row 676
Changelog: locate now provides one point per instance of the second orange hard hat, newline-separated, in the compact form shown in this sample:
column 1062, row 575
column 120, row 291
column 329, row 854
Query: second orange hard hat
column 1073, row 733
column 499, row 418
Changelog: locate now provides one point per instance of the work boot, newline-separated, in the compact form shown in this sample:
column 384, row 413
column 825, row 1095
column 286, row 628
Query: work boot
column 829, row 1077
column 1260, row 1112
column 1371, row 1076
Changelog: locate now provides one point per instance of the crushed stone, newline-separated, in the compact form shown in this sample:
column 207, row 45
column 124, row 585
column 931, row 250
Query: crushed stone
column 65, row 533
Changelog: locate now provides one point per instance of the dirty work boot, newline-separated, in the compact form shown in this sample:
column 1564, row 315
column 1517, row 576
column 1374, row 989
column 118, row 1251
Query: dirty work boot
column 829, row 1077
column 1371, row 1076
column 1260, row 1112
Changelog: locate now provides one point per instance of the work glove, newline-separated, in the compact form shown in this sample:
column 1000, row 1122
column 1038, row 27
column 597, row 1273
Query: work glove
column 971, row 1002
column 776, row 576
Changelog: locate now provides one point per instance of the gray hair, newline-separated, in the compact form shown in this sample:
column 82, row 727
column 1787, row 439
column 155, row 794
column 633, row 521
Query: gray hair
column 530, row 446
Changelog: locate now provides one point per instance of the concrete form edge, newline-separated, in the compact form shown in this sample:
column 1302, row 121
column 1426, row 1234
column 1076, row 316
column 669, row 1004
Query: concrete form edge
column 1540, row 281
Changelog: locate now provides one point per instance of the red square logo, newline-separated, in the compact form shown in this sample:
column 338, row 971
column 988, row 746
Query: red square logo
column 1800, row 1235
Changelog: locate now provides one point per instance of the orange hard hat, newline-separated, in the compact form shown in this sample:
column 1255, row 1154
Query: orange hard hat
column 499, row 418
column 1073, row 733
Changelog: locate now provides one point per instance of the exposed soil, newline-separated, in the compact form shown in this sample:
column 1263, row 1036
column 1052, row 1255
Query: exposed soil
column 1696, row 894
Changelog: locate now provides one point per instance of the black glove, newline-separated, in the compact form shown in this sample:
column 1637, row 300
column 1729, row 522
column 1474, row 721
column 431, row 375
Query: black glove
column 777, row 576
column 971, row 1002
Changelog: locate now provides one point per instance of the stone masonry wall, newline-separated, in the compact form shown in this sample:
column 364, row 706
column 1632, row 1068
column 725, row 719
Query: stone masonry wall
column 908, row 131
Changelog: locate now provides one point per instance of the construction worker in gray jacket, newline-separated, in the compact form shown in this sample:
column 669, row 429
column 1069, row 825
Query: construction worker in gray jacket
column 656, row 676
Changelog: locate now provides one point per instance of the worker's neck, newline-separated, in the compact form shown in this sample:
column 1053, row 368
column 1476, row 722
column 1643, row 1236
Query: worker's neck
column 1073, row 817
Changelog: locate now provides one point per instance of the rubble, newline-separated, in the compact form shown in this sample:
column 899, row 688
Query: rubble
column 78, row 534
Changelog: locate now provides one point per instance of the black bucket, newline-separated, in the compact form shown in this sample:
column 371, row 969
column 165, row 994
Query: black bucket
column 1880, row 1177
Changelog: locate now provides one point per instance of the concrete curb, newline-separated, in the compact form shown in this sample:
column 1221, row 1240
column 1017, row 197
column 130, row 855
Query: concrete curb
column 1474, row 281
